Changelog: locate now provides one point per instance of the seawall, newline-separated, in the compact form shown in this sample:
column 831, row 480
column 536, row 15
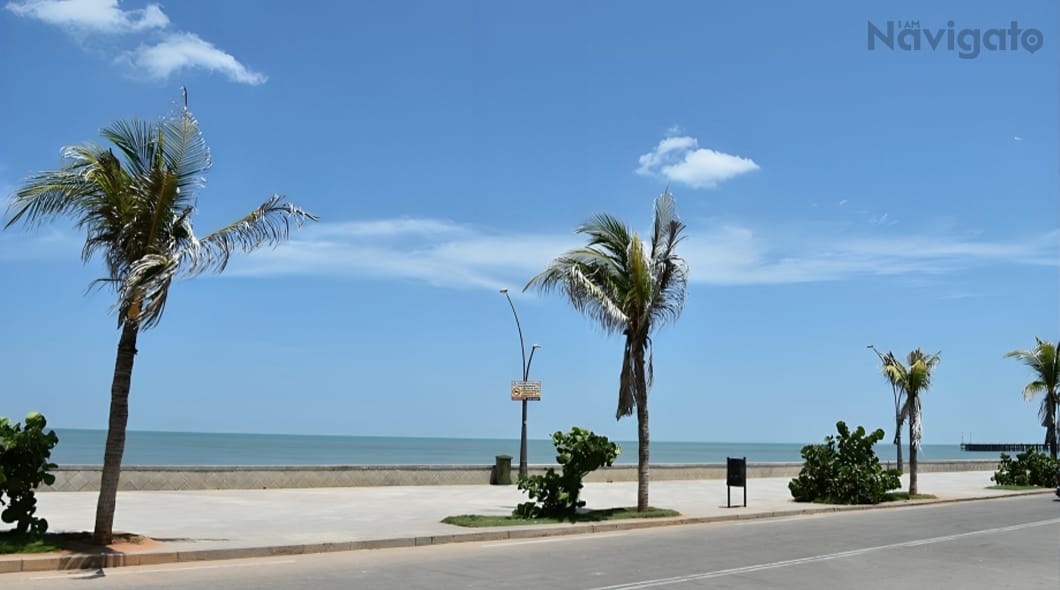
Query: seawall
column 79, row 478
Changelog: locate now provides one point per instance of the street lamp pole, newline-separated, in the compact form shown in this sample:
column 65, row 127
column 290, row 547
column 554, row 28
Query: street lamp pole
column 897, row 405
column 526, row 376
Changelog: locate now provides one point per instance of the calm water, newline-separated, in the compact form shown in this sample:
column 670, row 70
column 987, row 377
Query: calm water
column 85, row 447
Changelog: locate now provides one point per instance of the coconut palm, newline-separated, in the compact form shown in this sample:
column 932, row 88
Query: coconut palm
column 1046, row 366
column 899, row 400
column 135, row 205
column 630, row 288
column 913, row 379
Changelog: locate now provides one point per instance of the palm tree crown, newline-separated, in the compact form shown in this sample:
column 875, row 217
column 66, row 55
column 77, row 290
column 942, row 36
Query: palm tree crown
column 136, row 205
column 1044, row 363
column 913, row 378
column 627, row 287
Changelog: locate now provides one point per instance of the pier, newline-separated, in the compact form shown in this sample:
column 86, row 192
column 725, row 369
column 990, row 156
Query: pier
column 1002, row 447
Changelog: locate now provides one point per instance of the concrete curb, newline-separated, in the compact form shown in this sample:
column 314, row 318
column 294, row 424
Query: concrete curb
column 81, row 561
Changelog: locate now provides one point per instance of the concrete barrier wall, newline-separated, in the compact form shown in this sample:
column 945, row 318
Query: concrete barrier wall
column 77, row 478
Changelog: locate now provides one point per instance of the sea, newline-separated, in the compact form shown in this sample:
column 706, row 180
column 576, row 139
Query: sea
column 85, row 447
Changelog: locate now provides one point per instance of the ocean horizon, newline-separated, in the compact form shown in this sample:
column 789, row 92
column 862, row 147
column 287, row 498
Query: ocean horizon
column 85, row 447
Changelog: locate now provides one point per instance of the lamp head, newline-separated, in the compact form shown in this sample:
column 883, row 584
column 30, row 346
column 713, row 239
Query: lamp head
column 533, row 346
column 504, row 291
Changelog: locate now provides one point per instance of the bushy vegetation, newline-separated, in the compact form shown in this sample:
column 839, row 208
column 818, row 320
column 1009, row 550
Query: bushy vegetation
column 555, row 495
column 844, row 470
column 1029, row 468
column 24, row 465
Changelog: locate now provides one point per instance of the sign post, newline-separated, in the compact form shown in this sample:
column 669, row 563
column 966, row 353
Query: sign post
column 735, row 475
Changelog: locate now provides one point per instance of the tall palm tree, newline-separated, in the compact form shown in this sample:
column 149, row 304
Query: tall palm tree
column 631, row 289
column 135, row 206
column 913, row 379
column 899, row 400
column 1046, row 366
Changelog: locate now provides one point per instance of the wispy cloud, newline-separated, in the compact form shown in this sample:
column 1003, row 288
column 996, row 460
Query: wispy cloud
column 740, row 255
column 448, row 254
column 680, row 159
column 95, row 16
column 183, row 51
column 436, row 252
column 162, row 51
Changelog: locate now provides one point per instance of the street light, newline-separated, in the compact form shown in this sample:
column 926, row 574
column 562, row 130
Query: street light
column 886, row 360
column 526, row 377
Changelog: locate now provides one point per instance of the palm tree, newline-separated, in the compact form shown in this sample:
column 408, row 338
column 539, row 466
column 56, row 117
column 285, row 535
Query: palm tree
column 912, row 379
column 899, row 400
column 135, row 206
column 1044, row 362
column 631, row 289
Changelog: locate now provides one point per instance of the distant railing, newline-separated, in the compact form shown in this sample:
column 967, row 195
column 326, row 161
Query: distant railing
column 1002, row 447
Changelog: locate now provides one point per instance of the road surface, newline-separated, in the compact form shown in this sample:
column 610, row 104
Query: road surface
column 1001, row 543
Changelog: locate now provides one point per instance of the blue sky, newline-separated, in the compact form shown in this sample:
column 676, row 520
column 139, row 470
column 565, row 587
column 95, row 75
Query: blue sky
column 835, row 197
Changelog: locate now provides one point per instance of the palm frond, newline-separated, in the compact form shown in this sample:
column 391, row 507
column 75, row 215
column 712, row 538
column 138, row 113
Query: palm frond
column 269, row 224
column 138, row 141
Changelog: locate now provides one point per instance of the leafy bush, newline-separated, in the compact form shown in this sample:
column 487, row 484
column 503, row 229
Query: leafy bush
column 24, row 465
column 1030, row 468
column 844, row 470
column 579, row 452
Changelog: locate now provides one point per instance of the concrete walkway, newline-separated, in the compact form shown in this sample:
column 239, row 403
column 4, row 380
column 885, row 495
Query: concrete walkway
column 227, row 524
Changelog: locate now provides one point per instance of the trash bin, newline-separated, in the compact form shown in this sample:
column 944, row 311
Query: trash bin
column 502, row 471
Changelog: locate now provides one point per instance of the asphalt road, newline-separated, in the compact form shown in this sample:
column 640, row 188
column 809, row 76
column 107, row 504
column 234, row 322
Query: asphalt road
column 1002, row 543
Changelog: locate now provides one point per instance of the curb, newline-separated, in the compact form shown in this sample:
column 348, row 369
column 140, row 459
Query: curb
column 82, row 561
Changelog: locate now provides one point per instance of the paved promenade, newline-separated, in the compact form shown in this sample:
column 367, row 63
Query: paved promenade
column 225, row 524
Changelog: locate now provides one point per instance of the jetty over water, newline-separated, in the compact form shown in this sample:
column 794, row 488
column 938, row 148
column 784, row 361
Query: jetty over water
column 1002, row 447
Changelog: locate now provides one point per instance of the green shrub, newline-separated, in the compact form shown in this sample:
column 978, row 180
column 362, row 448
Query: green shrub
column 555, row 495
column 1030, row 468
column 844, row 470
column 24, row 465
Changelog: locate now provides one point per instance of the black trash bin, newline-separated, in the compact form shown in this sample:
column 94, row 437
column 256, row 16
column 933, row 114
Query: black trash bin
column 502, row 471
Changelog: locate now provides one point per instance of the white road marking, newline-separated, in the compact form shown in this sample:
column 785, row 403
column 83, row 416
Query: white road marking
column 552, row 540
column 816, row 558
column 137, row 571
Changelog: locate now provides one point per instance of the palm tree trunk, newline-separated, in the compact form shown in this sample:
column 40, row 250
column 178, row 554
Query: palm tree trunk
column 643, row 451
column 119, row 418
column 1051, row 431
column 913, row 418
column 643, row 438
column 898, row 444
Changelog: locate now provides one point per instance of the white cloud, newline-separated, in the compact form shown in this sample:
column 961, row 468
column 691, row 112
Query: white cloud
column 98, row 16
column 680, row 159
column 180, row 51
column 163, row 53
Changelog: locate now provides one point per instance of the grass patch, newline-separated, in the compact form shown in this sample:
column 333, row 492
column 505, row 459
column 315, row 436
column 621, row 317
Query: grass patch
column 898, row 496
column 1014, row 488
column 13, row 542
column 888, row 497
column 479, row 520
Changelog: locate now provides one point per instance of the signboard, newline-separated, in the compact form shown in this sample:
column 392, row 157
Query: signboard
column 526, row 390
